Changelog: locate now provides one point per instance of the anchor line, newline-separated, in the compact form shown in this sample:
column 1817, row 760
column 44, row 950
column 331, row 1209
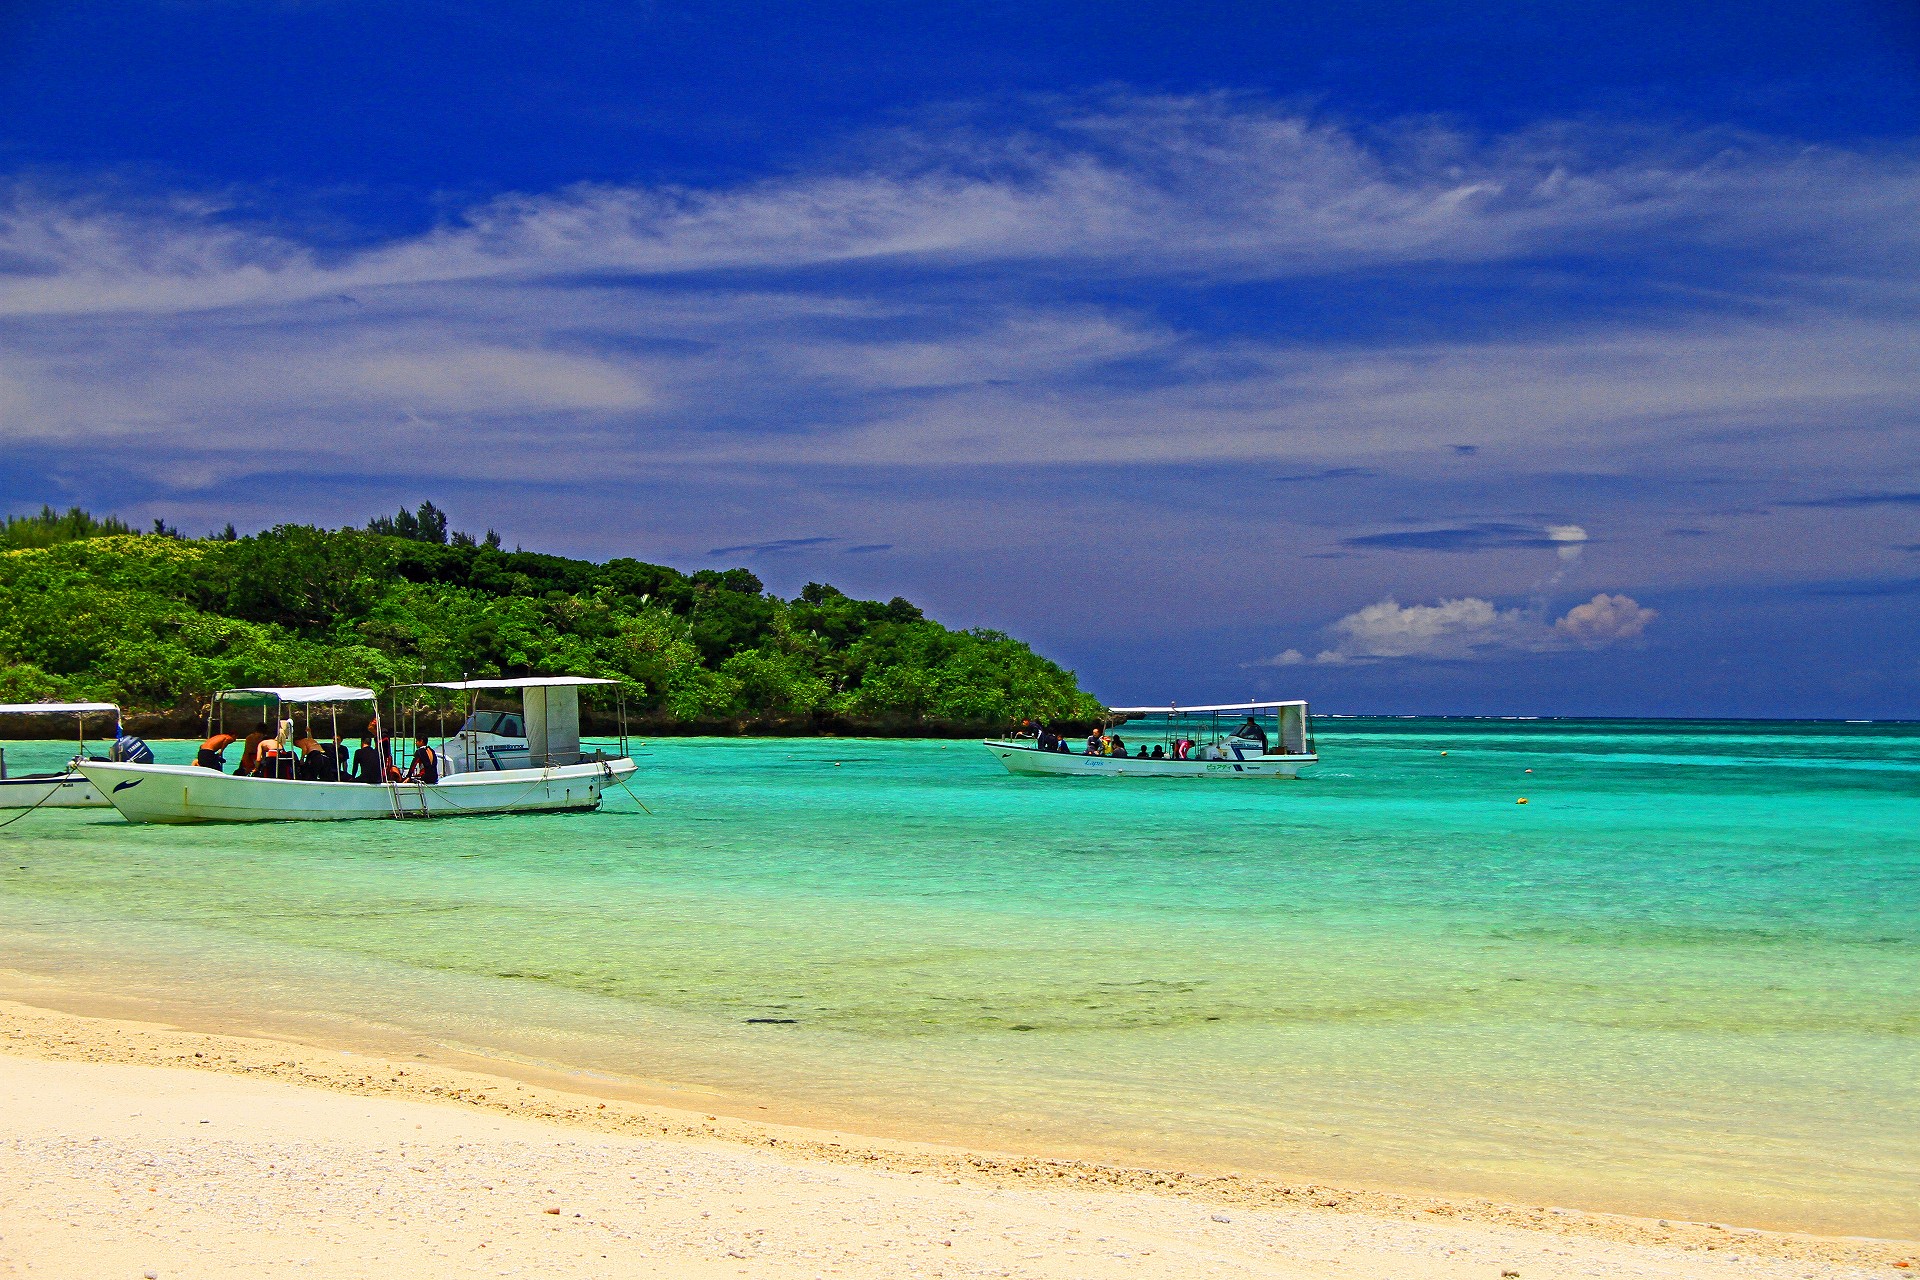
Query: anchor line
column 35, row 805
column 621, row 783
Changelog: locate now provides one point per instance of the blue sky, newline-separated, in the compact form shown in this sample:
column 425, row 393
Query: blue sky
column 1512, row 359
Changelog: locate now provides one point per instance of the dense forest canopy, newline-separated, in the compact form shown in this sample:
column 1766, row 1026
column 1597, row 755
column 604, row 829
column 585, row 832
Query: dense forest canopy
column 91, row 609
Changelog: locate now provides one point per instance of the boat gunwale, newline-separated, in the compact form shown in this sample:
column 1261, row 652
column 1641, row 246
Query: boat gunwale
column 1312, row 757
column 476, row 777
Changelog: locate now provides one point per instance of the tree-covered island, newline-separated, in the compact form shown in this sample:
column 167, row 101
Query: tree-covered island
column 92, row 609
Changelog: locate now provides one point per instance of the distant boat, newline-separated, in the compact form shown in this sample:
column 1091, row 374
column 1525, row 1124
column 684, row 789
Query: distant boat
column 547, row 771
column 65, row 789
column 1233, row 740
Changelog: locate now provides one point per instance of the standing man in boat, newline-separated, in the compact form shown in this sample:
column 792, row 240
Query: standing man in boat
column 1243, row 739
column 213, row 752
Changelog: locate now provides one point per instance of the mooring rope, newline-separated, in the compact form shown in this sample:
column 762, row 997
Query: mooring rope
column 51, row 788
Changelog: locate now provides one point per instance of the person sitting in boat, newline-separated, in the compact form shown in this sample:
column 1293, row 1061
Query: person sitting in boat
column 1159, row 753
column 1095, row 741
column 426, row 765
column 1115, row 746
column 1246, row 738
column 1141, row 754
column 213, row 752
column 368, row 764
column 1183, row 749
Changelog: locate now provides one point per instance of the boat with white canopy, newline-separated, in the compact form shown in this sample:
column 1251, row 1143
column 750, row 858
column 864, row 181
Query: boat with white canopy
column 545, row 730
column 65, row 789
column 553, row 776
column 1227, row 740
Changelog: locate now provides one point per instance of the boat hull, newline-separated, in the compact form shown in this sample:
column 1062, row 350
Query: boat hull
column 187, row 793
column 50, row 791
column 1026, row 760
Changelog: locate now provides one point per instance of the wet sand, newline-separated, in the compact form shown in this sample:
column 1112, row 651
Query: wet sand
column 133, row 1148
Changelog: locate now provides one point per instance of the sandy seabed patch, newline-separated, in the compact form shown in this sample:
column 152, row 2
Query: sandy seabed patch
column 137, row 1149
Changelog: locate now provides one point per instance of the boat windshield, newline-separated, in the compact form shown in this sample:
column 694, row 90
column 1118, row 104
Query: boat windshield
column 504, row 724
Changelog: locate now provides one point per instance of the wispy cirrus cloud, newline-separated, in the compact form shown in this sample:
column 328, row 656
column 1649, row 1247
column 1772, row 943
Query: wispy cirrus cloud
column 1328, row 473
column 775, row 547
column 1882, row 499
column 1220, row 185
column 1490, row 535
column 1107, row 288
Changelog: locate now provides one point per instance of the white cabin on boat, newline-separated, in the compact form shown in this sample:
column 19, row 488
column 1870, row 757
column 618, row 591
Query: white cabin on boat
column 545, row 731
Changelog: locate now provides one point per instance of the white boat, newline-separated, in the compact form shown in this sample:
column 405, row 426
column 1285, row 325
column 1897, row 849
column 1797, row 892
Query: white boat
column 556, row 776
column 1230, row 740
column 65, row 789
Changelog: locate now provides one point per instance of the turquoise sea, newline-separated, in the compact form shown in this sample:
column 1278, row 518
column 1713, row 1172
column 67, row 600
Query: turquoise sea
column 1683, row 980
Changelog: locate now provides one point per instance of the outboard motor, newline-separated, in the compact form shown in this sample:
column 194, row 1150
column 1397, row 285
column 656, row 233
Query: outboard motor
column 127, row 749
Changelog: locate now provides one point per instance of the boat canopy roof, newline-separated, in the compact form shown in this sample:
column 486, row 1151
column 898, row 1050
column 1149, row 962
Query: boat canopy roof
column 33, row 708
column 1176, row 709
column 511, row 682
column 268, row 695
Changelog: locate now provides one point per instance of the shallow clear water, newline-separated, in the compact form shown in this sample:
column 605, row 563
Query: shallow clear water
column 1683, row 979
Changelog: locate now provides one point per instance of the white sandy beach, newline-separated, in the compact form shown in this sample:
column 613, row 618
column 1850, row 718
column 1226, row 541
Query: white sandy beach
column 135, row 1150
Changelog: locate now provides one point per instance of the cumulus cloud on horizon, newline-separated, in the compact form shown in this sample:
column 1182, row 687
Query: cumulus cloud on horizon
column 1470, row 627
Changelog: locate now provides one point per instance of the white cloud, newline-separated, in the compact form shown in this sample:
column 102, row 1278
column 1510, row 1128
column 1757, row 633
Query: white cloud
column 1450, row 629
column 1604, row 620
column 1138, row 186
column 1472, row 627
column 1021, row 301
column 1285, row 658
column 500, row 380
column 1571, row 538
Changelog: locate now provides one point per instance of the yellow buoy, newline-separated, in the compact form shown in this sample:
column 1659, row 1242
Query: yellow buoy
column 1521, row 800
column 1443, row 753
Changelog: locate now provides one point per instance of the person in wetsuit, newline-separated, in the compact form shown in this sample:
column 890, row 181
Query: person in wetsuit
column 426, row 765
column 368, row 764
